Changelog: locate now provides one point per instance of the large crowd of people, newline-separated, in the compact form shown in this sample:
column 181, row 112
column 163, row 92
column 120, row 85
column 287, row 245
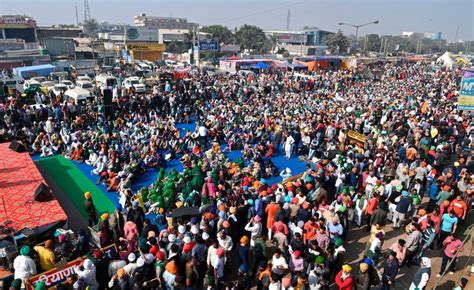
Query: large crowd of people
column 411, row 175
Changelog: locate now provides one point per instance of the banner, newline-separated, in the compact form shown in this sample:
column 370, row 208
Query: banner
column 356, row 137
column 59, row 274
column 466, row 93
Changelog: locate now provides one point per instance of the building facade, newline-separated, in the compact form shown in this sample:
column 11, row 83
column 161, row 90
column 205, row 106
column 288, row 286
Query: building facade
column 302, row 42
column 18, row 27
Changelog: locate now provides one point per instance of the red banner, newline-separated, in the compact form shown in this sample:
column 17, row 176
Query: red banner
column 58, row 275
column 54, row 276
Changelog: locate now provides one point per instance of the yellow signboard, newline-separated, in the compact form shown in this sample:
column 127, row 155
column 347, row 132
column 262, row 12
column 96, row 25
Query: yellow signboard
column 357, row 137
column 146, row 46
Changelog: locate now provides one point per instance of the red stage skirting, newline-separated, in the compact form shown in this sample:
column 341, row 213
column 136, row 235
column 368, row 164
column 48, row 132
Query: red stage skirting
column 19, row 178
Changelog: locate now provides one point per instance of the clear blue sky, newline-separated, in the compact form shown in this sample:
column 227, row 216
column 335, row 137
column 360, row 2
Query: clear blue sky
column 394, row 16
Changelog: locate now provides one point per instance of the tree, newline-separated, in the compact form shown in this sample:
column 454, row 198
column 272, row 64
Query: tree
column 176, row 47
column 337, row 42
column 90, row 26
column 219, row 32
column 188, row 37
column 252, row 38
column 273, row 41
column 281, row 50
column 373, row 42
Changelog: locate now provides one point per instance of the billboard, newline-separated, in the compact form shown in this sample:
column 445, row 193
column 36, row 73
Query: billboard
column 146, row 46
column 466, row 93
column 145, row 34
column 17, row 22
column 289, row 37
column 208, row 45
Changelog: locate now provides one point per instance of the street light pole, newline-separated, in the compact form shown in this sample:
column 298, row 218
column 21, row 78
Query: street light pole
column 357, row 38
column 357, row 29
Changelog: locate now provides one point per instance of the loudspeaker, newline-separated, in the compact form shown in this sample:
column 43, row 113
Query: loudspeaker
column 107, row 97
column 109, row 108
column 17, row 147
column 43, row 193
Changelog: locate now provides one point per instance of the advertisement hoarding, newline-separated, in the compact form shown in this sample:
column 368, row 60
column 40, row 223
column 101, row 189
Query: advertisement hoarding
column 466, row 93
column 141, row 34
column 290, row 37
column 208, row 45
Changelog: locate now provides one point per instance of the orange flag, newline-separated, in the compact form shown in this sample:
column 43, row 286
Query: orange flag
column 424, row 107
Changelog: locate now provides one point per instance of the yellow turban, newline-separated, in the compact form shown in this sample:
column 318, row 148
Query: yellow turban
column 346, row 268
column 104, row 216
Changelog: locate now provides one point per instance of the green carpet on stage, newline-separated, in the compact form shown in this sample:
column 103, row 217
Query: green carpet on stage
column 74, row 184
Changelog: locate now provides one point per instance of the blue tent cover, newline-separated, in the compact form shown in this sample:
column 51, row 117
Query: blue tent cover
column 261, row 65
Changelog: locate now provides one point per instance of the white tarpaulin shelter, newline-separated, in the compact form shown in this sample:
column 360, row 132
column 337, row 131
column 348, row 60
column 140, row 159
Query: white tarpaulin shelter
column 445, row 60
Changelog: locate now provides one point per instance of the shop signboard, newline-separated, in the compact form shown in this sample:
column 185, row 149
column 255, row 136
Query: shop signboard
column 146, row 46
column 17, row 22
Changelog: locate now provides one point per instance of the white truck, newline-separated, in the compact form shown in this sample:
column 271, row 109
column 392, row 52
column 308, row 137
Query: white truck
column 135, row 83
column 105, row 82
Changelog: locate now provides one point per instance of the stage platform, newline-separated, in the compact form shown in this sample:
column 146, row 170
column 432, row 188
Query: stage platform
column 73, row 184
column 19, row 178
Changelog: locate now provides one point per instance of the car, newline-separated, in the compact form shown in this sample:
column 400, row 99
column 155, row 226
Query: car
column 59, row 88
column 86, row 85
column 83, row 78
column 39, row 79
column 150, row 64
column 68, row 83
column 78, row 95
column 135, row 82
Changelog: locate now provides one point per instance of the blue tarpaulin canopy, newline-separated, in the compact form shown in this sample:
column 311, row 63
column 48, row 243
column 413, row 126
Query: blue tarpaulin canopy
column 34, row 71
column 261, row 65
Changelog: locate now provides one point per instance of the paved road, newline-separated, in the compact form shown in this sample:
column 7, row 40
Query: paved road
column 357, row 239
